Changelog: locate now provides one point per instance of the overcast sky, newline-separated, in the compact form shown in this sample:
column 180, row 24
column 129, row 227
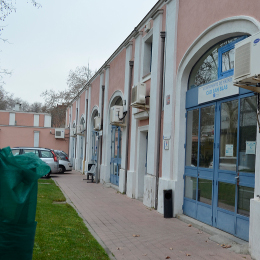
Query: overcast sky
column 46, row 43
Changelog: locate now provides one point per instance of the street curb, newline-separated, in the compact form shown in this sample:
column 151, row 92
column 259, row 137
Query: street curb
column 91, row 230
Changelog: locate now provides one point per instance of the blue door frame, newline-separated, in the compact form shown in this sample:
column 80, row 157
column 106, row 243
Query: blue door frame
column 216, row 210
column 115, row 163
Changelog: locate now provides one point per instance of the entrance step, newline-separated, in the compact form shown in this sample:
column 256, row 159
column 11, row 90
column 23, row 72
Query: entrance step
column 110, row 185
column 238, row 245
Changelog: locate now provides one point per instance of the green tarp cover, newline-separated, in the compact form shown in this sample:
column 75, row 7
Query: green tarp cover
column 18, row 199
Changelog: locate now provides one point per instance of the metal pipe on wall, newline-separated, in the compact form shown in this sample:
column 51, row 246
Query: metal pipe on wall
column 131, row 65
column 159, row 118
column 86, row 113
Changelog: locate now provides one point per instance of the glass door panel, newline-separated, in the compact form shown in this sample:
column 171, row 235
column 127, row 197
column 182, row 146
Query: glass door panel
column 247, row 135
column 192, row 138
column 228, row 136
column 205, row 191
column 207, row 136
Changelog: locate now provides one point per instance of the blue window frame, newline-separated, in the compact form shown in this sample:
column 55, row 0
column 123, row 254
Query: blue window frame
column 214, row 64
column 226, row 59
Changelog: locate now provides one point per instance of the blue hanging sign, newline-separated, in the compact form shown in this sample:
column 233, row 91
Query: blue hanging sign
column 216, row 90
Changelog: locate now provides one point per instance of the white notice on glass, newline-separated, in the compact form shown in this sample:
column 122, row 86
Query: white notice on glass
column 250, row 147
column 229, row 150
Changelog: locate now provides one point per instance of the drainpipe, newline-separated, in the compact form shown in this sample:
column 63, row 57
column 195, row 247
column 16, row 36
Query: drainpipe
column 159, row 119
column 77, row 110
column 102, row 117
column 99, row 146
column 86, row 113
column 131, row 64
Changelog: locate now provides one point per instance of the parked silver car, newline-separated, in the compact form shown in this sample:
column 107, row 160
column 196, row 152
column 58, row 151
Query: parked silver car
column 46, row 155
column 64, row 162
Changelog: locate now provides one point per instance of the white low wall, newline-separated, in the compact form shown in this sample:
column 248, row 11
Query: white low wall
column 104, row 173
column 149, row 191
column 254, row 228
column 131, row 184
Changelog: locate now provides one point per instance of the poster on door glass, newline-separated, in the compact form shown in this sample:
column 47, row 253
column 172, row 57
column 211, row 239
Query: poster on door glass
column 229, row 150
column 250, row 147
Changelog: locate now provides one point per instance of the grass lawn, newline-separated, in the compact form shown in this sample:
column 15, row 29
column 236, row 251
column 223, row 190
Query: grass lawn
column 61, row 233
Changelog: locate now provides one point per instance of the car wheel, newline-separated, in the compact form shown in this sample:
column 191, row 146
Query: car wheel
column 61, row 169
column 47, row 176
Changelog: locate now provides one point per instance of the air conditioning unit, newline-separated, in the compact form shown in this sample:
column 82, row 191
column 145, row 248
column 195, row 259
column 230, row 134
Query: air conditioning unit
column 116, row 112
column 59, row 133
column 138, row 94
column 247, row 65
column 97, row 123
column 147, row 27
column 79, row 129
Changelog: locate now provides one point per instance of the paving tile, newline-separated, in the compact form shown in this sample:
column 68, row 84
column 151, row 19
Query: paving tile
column 116, row 218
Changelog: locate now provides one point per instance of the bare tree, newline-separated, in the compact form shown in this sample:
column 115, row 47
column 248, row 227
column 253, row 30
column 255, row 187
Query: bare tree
column 57, row 102
column 77, row 79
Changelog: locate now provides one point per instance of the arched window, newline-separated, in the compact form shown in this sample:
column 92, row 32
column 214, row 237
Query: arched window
column 216, row 63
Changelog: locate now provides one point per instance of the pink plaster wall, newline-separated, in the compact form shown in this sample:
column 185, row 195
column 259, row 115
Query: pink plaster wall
column 73, row 116
column 68, row 116
column 95, row 85
column 41, row 120
column 117, row 73
column 143, row 122
column 197, row 15
column 4, row 118
column 82, row 104
column 24, row 136
column 24, row 119
column 133, row 50
column 164, row 18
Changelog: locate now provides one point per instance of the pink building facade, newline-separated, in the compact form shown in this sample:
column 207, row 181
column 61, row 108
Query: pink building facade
column 194, row 132
column 30, row 130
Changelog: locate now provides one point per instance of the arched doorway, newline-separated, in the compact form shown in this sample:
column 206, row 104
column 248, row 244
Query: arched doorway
column 94, row 138
column 220, row 143
column 116, row 147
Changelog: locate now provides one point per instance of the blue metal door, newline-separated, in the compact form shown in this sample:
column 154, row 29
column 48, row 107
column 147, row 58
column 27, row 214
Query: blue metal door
column 115, row 163
column 94, row 146
column 220, row 159
column 81, row 152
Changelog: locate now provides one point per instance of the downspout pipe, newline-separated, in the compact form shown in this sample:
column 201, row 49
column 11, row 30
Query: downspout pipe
column 77, row 112
column 99, row 149
column 159, row 120
column 86, row 111
column 131, row 65
column 102, row 120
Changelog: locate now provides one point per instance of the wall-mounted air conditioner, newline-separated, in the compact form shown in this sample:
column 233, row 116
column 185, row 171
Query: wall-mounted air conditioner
column 97, row 123
column 80, row 129
column 147, row 27
column 247, row 65
column 116, row 112
column 59, row 132
column 138, row 94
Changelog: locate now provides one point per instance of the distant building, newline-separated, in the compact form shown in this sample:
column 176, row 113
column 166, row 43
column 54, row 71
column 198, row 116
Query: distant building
column 30, row 129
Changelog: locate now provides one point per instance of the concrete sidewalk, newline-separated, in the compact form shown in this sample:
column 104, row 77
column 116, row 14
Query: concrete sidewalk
column 129, row 230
